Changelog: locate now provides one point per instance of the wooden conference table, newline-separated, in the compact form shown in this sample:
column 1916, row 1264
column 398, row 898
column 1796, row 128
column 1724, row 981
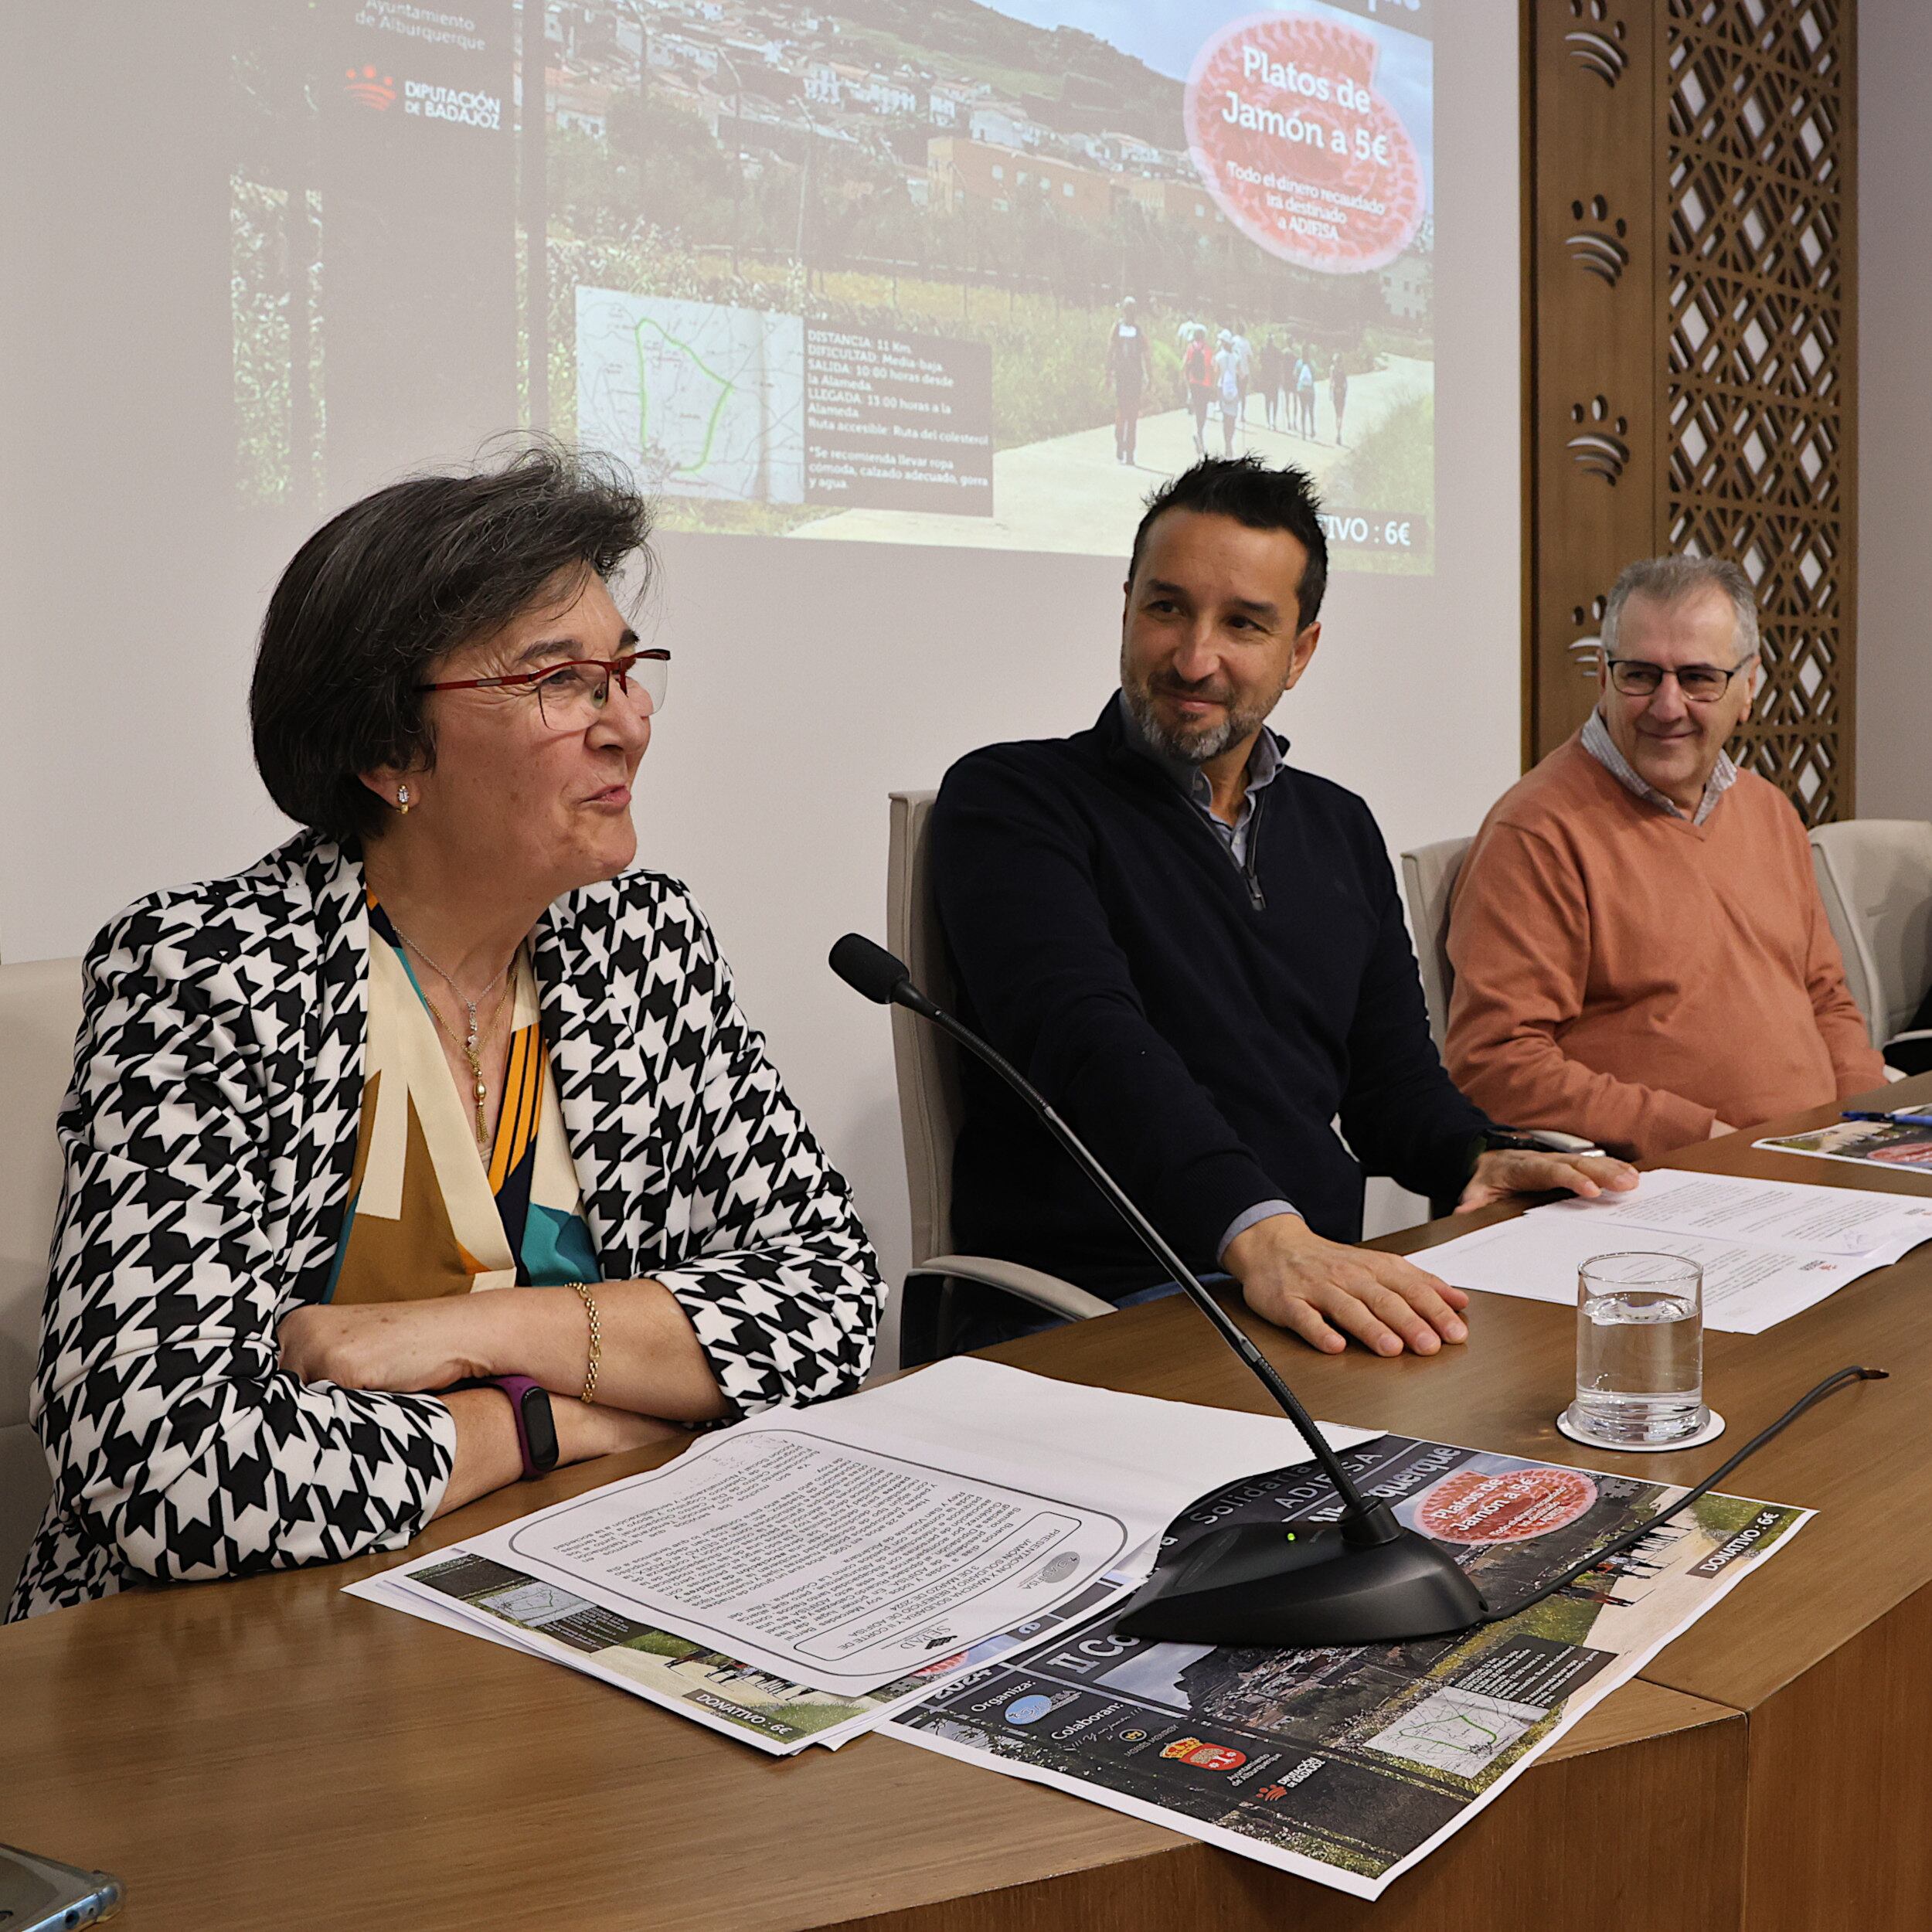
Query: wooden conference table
column 269, row 1752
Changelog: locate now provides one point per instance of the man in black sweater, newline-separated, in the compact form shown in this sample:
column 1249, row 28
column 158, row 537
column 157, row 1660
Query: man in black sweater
column 1196, row 952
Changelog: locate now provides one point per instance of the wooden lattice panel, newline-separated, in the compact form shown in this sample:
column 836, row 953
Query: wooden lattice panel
column 1756, row 449
column 1593, row 367
column 1691, row 379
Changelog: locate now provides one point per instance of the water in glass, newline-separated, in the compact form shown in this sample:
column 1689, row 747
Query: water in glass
column 1640, row 1349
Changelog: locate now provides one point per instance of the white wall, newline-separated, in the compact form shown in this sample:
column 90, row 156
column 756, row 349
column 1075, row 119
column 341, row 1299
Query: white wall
column 1895, row 408
column 809, row 679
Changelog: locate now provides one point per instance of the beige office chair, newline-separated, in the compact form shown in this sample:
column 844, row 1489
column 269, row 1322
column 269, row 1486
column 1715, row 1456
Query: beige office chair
column 927, row 1064
column 1428, row 879
column 1429, row 876
column 1875, row 876
column 40, row 1014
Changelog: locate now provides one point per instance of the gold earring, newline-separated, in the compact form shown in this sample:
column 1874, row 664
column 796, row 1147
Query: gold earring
column 403, row 800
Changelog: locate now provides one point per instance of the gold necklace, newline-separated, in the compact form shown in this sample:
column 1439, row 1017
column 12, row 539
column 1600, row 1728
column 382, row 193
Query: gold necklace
column 472, row 1044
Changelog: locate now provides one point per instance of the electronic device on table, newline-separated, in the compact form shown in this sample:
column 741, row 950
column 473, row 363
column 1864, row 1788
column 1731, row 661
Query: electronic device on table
column 42, row 1895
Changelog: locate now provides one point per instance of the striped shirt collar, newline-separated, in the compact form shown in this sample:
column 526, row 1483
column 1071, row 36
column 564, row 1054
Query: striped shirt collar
column 1599, row 743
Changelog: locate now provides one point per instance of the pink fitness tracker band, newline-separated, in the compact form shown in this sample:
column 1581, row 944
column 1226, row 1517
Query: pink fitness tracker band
column 536, row 1425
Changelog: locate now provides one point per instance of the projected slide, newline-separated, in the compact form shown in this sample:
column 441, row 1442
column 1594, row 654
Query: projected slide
column 920, row 271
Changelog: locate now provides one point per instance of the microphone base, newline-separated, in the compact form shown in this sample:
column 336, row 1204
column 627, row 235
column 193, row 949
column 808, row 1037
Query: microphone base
column 1260, row 1586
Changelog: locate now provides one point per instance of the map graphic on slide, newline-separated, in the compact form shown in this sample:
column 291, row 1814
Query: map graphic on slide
column 699, row 400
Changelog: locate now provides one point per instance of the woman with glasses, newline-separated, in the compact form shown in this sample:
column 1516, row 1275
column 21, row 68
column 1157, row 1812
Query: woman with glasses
column 432, row 1151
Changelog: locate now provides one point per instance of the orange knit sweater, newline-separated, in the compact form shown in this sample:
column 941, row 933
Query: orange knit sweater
column 1623, row 974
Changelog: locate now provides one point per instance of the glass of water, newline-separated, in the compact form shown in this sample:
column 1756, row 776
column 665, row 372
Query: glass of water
column 1640, row 1351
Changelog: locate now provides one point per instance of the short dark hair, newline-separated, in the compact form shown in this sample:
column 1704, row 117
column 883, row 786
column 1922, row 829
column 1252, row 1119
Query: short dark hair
column 395, row 582
column 1245, row 488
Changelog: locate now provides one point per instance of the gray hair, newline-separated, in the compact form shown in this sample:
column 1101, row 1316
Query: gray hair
column 1670, row 579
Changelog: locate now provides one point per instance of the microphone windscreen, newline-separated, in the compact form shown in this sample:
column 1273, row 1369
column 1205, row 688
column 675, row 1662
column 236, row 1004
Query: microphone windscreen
column 868, row 968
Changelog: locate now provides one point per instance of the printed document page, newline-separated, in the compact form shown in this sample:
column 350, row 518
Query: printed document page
column 841, row 1546
column 1784, row 1214
column 1749, row 1286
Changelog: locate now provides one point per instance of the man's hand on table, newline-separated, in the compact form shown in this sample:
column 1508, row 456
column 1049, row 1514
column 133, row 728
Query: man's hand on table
column 1325, row 1292
column 1504, row 1173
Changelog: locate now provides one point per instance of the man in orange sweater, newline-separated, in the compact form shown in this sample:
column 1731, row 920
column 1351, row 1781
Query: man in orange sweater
column 1639, row 949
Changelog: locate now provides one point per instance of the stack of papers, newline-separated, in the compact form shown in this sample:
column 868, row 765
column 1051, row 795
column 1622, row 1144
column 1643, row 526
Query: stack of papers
column 946, row 1556
column 1769, row 1248
column 791, row 1578
column 521, row 1612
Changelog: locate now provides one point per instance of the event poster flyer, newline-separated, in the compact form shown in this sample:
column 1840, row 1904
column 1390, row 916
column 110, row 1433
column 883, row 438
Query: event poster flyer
column 952, row 272
column 1347, row 1766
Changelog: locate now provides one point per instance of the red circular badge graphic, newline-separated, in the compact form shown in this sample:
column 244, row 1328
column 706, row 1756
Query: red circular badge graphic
column 1506, row 1507
column 1303, row 155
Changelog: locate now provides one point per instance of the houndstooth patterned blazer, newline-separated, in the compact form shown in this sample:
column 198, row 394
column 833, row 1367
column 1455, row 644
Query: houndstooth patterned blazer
column 209, row 1137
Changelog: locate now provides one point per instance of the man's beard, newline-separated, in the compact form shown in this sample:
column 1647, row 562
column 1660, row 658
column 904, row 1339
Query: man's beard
column 1194, row 744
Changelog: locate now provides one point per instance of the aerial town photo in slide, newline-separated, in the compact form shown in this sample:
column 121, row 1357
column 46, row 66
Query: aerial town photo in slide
column 923, row 271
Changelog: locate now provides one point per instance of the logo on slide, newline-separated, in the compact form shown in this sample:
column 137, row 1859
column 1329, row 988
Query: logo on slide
column 372, row 89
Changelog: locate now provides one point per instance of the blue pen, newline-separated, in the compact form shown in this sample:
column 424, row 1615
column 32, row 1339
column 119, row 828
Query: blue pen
column 1905, row 1117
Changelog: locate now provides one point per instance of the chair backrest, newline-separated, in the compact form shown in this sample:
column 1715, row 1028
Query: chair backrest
column 1875, row 876
column 926, row 1062
column 40, row 1014
column 1428, row 878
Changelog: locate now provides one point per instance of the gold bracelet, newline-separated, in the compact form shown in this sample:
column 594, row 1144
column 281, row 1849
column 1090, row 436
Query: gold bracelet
column 596, row 1341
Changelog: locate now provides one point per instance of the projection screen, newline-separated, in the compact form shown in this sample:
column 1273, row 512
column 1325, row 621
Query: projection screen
column 921, row 271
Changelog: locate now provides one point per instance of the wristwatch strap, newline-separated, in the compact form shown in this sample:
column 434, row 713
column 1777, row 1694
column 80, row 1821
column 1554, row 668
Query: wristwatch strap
column 536, row 1425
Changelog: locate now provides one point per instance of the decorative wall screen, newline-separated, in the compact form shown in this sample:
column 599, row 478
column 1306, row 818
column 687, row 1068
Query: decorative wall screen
column 1691, row 371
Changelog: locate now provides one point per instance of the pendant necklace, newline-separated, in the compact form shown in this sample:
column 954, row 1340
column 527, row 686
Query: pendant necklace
column 470, row 1042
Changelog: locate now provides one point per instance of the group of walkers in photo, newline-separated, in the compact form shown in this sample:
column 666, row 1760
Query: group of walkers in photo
column 1220, row 373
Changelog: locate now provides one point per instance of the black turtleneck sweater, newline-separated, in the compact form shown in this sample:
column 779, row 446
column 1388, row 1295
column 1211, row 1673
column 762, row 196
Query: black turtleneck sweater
column 1200, row 1022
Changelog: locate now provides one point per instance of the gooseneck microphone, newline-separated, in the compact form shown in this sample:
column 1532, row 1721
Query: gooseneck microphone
column 1366, row 1580
column 868, row 968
